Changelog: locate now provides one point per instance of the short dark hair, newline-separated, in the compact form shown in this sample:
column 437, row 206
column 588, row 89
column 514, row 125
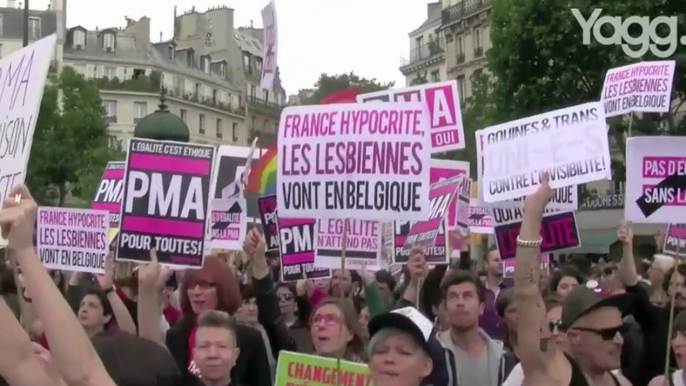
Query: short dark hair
column 134, row 361
column 218, row 319
column 492, row 248
column 505, row 298
column 385, row 277
column 552, row 301
column 679, row 325
column 104, row 302
column 668, row 275
column 459, row 277
column 247, row 292
column 566, row 271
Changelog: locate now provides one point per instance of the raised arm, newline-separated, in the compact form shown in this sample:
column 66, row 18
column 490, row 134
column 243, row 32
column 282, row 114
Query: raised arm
column 148, row 301
column 119, row 310
column 528, row 300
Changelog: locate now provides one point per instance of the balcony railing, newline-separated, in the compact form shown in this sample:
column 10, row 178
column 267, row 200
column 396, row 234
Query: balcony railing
column 478, row 52
column 464, row 9
column 270, row 107
column 426, row 51
column 460, row 58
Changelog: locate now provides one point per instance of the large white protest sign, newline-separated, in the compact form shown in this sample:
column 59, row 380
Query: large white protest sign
column 655, row 180
column 22, row 76
column 565, row 198
column 270, row 40
column 362, row 244
column 364, row 161
column 571, row 144
column 638, row 87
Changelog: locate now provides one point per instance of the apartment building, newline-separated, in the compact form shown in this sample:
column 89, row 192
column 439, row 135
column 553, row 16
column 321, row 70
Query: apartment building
column 212, row 33
column 426, row 61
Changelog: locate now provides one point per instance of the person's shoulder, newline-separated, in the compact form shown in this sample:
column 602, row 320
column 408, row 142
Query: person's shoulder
column 247, row 335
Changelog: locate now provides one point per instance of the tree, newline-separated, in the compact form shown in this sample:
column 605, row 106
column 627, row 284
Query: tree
column 328, row 84
column 420, row 79
column 539, row 62
column 70, row 144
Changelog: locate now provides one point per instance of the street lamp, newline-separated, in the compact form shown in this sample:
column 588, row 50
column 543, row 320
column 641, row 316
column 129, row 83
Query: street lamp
column 26, row 23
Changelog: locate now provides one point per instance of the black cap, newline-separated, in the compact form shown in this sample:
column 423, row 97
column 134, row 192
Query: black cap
column 584, row 300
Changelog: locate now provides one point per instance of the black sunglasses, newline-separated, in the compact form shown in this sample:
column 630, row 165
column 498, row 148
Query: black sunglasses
column 607, row 333
column 555, row 323
column 285, row 296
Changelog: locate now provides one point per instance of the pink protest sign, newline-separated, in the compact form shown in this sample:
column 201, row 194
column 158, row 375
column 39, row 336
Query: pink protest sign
column 229, row 222
column 443, row 102
column 445, row 169
column 656, row 180
column 645, row 87
column 480, row 219
column 509, row 265
column 675, row 240
column 298, row 245
column 109, row 194
column 267, row 207
column 558, row 230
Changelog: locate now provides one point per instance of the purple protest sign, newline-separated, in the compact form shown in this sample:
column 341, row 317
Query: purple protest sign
column 423, row 233
column 442, row 170
column 558, row 230
column 480, row 219
column 166, row 201
column 229, row 222
column 443, row 103
column 509, row 266
column 645, row 87
column 267, row 207
column 675, row 240
column 297, row 238
column 110, row 191
column 435, row 254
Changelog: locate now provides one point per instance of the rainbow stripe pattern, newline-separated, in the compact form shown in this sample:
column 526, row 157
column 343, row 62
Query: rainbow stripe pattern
column 262, row 178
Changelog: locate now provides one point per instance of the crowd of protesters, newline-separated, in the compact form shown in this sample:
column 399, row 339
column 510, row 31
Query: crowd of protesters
column 225, row 324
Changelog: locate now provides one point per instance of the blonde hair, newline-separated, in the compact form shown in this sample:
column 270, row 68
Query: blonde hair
column 664, row 262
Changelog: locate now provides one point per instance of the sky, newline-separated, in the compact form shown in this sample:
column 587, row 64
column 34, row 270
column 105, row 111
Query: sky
column 315, row 36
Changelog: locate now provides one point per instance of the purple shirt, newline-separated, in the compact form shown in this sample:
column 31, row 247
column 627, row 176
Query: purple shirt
column 490, row 321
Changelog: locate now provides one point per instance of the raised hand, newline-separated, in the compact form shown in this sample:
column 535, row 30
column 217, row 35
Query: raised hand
column 625, row 234
column 149, row 274
column 539, row 199
column 106, row 280
column 17, row 218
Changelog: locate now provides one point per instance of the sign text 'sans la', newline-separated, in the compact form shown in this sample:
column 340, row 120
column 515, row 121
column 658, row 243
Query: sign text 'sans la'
column 166, row 200
column 442, row 102
column 571, row 142
column 639, row 87
column 363, row 161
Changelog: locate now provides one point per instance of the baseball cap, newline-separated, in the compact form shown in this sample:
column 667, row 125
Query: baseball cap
column 584, row 300
column 408, row 320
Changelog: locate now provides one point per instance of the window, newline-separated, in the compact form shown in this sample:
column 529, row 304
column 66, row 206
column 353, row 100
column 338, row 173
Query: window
column 201, row 123
column 222, row 70
column 258, row 65
column 140, row 110
column 79, row 39
column 197, row 90
column 110, row 111
column 183, row 115
column 206, row 64
column 478, row 47
column 95, row 71
column 108, row 42
column 253, row 91
column 189, row 58
column 34, row 28
column 110, row 72
column 214, row 96
column 460, row 45
column 266, row 95
column 461, row 87
column 220, row 128
column 171, row 52
column 246, row 62
column 138, row 72
column 114, row 143
column 1, row 25
column 234, row 128
column 419, row 41
column 435, row 76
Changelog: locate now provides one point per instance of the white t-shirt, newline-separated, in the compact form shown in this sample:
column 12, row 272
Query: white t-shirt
column 516, row 377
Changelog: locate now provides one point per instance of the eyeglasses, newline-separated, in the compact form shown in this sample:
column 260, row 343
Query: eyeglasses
column 552, row 324
column 607, row 333
column 328, row 319
column 285, row 296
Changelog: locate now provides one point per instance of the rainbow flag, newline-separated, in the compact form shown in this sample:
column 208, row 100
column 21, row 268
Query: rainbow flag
column 262, row 178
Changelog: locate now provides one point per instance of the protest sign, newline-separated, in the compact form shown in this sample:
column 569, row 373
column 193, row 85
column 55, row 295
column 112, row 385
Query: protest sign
column 166, row 201
column 22, row 75
column 362, row 244
column 443, row 104
column 228, row 222
column 645, row 87
column 73, row 239
column 480, row 219
column 110, row 191
column 423, row 233
column 565, row 198
column 270, row 50
column 435, row 254
column 230, row 165
column 559, row 231
column 675, row 240
column 298, row 240
column 267, row 207
column 655, row 180
column 362, row 161
column 295, row 369
column 509, row 266
column 464, row 196
column 571, row 144
column 442, row 170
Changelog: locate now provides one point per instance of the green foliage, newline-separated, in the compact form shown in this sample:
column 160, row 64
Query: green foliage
column 142, row 83
column 539, row 63
column 329, row 84
column 70, row 145
column 420, row 79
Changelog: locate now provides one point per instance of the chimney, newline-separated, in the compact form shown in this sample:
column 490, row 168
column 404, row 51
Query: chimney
column 161, row 40
column 250, row 23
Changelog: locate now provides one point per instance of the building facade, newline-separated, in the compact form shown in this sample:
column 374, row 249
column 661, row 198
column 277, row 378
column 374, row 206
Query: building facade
column 465, row 26
column 426, row 61
column 212, row 34
column 131, row 71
